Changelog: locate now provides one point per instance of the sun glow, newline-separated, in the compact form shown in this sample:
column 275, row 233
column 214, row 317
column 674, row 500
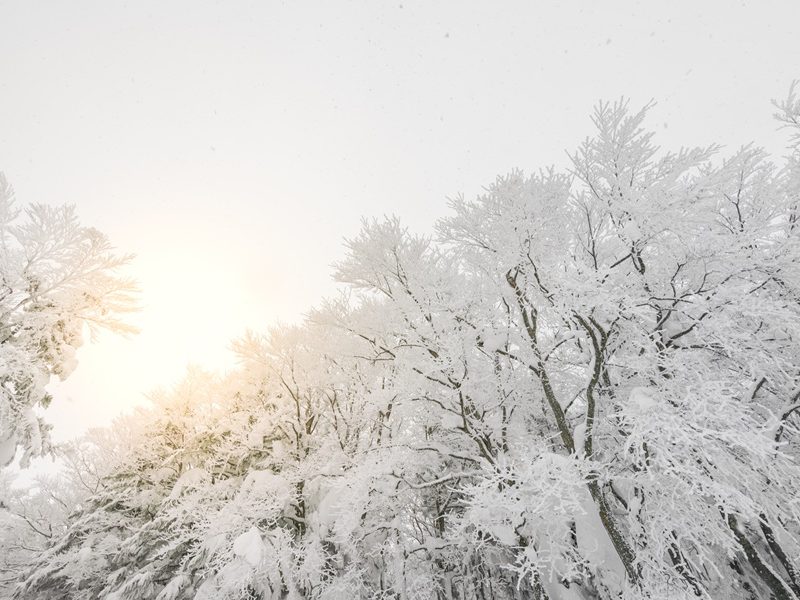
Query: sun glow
column 192, row 305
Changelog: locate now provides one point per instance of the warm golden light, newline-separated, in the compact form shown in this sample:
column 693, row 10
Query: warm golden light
column 192, row 307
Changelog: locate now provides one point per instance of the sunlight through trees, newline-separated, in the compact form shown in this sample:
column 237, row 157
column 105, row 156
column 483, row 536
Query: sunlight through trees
column 585, row 385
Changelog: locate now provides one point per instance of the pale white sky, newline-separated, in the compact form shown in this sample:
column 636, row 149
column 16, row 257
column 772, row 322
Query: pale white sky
column 232, row 145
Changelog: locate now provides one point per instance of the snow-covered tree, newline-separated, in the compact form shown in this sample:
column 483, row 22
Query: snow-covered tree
column 35, row 511
column 56, row 278
column 584, row 386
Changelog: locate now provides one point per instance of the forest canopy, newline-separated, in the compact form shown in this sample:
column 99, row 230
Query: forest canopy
column 586, row 384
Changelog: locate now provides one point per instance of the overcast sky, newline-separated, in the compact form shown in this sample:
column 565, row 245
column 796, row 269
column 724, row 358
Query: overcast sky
column 233, row 145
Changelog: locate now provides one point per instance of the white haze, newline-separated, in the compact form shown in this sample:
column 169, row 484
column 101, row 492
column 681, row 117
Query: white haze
column 232, row 146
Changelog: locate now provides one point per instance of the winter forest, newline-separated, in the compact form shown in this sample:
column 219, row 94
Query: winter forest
column 584, row 385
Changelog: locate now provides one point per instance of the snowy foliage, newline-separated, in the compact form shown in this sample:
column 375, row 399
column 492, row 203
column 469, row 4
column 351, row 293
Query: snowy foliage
column 56, row 277
column 35, row 513
column 585, row 386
